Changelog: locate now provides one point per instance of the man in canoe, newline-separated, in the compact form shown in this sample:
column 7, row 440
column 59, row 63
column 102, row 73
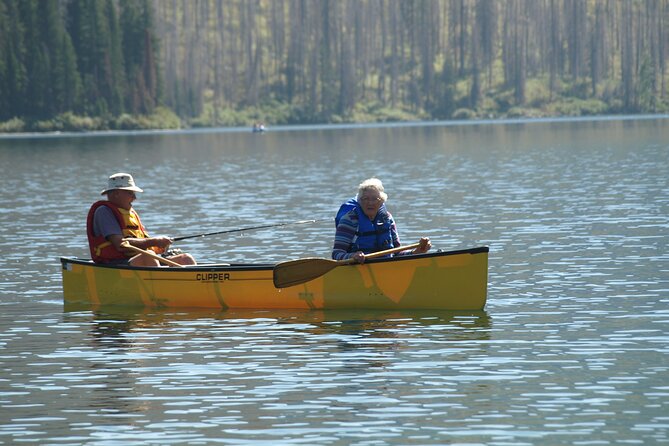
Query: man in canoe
column 114, row 222
column 364, row 225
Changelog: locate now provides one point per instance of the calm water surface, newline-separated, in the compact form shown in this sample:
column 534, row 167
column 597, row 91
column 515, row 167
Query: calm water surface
column 571, row 349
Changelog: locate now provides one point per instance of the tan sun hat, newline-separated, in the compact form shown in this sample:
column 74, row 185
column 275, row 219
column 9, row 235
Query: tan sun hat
column 122, row 181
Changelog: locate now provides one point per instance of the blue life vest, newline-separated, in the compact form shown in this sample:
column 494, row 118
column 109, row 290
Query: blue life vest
column 371, row 236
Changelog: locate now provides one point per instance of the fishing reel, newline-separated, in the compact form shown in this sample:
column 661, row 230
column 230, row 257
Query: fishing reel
column 172, row 252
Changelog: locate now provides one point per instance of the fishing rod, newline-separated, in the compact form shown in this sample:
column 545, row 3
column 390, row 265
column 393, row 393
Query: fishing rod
column 251, row 228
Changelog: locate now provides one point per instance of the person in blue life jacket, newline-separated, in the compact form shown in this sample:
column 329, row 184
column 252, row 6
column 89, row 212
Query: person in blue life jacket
column 364, row 225
column 114, row 221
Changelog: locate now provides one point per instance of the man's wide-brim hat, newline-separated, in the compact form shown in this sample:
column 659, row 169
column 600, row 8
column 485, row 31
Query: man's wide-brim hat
column 123, row 181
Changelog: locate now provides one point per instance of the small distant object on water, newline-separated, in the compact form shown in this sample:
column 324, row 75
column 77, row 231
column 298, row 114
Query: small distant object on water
column 258, row 127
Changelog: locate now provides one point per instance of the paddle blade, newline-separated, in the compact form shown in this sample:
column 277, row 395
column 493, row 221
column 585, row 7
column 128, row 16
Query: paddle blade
column 295, row 272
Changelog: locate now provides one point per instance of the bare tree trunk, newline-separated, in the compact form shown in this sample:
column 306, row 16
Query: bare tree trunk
column 627, row 56
column 382, row 66
column 395, row 57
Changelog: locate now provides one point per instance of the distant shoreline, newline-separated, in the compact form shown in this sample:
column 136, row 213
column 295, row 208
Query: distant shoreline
column 302, row 127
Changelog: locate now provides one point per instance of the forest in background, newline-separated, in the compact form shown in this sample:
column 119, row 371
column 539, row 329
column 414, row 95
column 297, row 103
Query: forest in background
column 129, row 64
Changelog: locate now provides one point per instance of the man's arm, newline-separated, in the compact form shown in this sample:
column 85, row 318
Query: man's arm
column 104, row 223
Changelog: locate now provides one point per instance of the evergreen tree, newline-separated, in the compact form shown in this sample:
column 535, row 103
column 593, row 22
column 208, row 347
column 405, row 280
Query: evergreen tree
column 100, row 57
column 67, row 83
column 84, row 18
column 36, row 96
column 445, row 92
column 114, row 63
column 63, row 78
column 94, row 30
column 140, row 54
column 5, row 54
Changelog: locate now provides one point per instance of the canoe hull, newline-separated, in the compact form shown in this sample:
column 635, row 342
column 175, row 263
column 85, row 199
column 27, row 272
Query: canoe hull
column 455, row 280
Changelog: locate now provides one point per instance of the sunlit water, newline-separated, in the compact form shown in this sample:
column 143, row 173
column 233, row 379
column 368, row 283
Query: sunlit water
column 572, row 348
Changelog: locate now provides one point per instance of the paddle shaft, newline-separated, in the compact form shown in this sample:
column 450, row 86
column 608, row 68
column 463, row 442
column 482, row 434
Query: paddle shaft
column 295, row 272
column 252, row 228
column 151, row 254
column 390, row 251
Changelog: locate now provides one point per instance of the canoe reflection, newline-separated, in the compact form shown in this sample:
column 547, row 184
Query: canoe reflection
column 147, row 363
column 120, row 327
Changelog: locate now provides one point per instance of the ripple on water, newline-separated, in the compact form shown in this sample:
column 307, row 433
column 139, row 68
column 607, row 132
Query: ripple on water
column 572, row 348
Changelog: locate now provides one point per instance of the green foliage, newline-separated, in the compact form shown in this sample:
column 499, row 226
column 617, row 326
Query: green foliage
column 461, row 89
column 139, row 48
column 524, row 112
column 537, row 93
column 504, row 100
column 126, row 122
column 577, row 107
column 662, row 106
column 161, row 118
column 224, row 117
column 68, row 122
column 166, row 118
column 377, row 112
column 82, row 65
column 445, row 93
column 278, row 113
column 464, row 114
column 646, row 87
column 14, row 125
column 13, row 69
column 58, row 57
column 73, row 123
column 270, row 112
column 580, row 88
column 488, row 107
column 67, row 83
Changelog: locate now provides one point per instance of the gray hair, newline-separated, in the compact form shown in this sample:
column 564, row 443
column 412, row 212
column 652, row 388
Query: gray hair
column 372, row 184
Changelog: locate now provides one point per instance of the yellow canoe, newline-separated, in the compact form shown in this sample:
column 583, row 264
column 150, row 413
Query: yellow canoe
column 453, row 280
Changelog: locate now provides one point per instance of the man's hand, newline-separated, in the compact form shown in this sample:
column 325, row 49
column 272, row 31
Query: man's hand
column 160, row 244
column 156, row 244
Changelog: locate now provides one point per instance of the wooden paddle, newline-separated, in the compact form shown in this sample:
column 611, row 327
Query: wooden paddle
column 295, row 272
column 151, row 254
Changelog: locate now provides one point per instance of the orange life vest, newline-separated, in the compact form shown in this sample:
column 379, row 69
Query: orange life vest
column 102, row 250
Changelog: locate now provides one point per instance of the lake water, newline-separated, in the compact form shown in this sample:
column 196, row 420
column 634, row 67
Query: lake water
column 571, row 349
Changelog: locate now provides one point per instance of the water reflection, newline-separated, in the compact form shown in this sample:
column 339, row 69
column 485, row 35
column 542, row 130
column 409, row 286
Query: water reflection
column 269, row 370
column 112, row 327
